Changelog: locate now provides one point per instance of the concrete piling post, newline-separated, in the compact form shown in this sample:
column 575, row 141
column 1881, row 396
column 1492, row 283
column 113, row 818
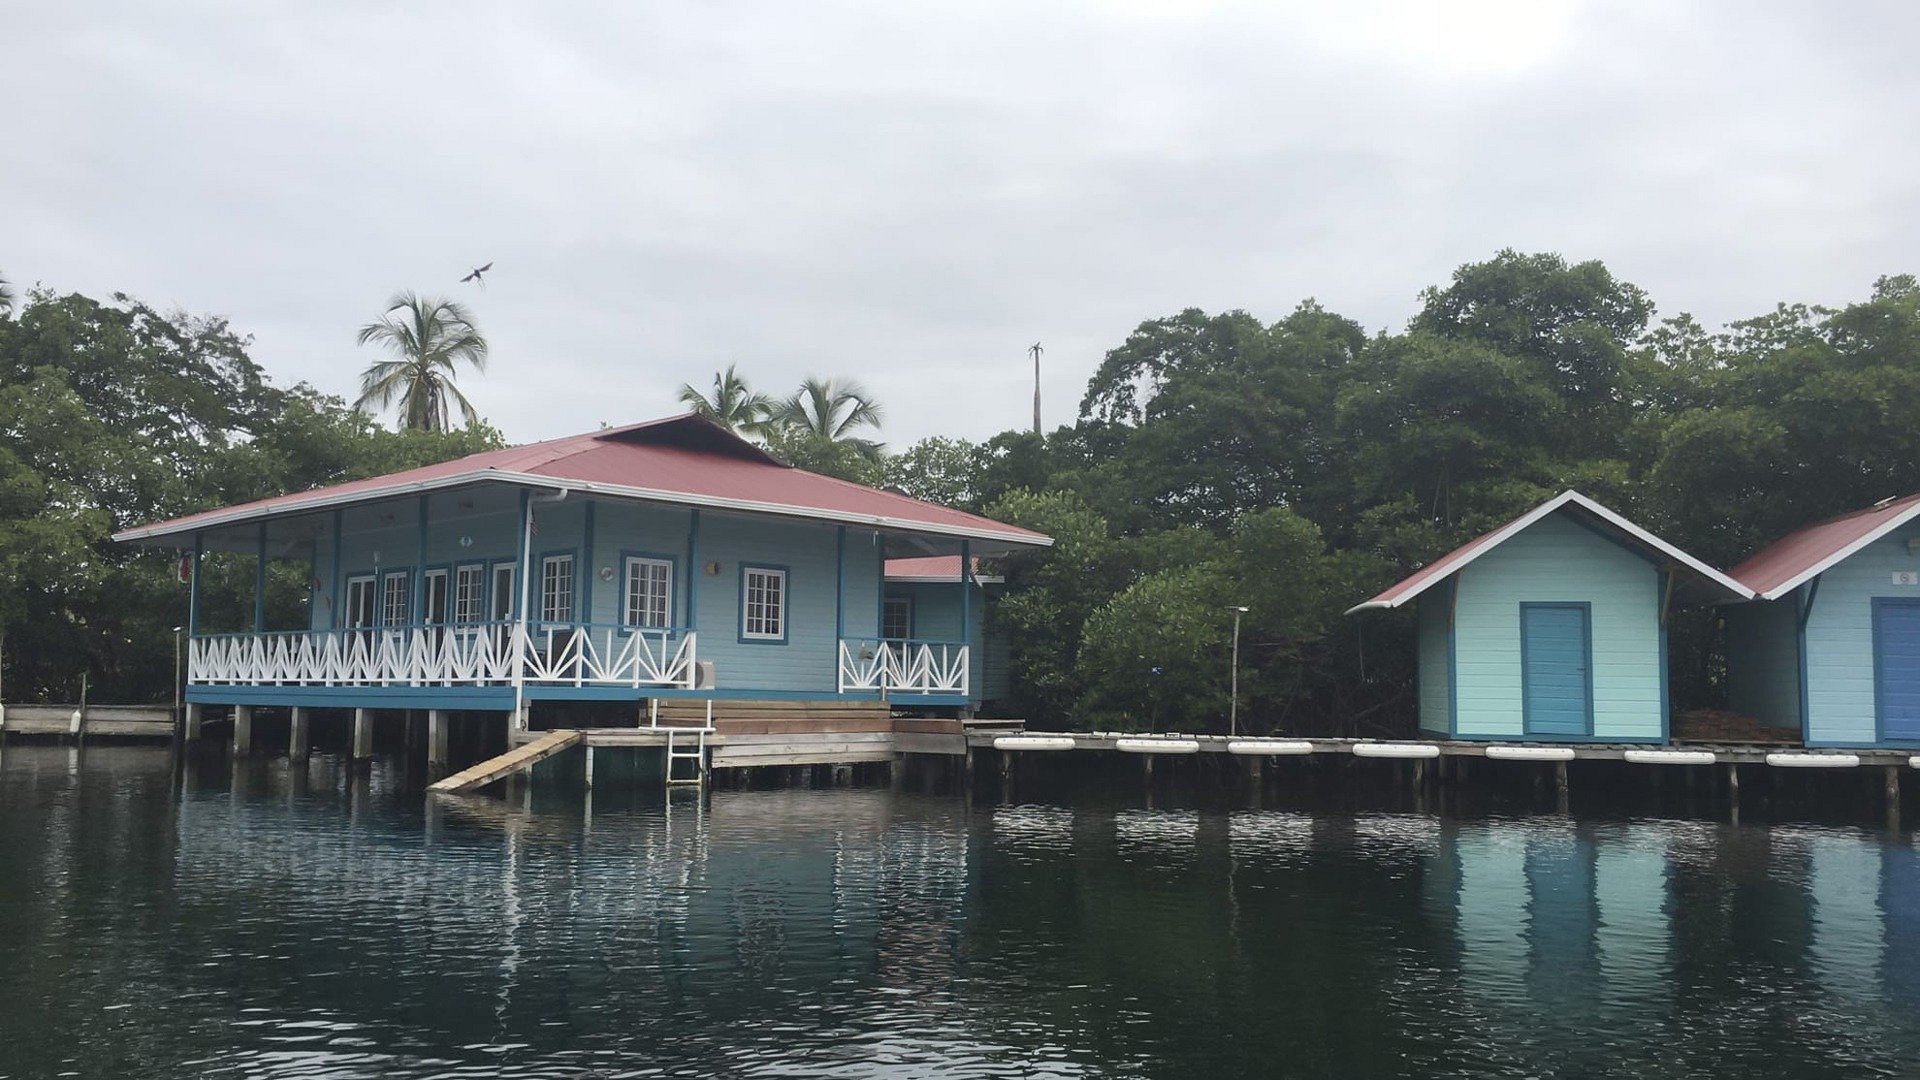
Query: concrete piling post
column 299, row 734
column 362, row 734
column 437, row 740
column 196, row 715
column 242, row 730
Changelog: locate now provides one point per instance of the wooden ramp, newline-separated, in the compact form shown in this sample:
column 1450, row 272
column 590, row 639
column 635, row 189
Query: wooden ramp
column 515, row 759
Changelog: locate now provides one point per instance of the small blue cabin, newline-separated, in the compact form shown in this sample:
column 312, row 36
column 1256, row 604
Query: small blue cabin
column 1830, row 647
column 656, row 561
column 921, row 604
column 1551, row 628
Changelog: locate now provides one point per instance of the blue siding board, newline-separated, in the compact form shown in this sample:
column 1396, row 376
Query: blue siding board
column 1557, row 561
column 1842, row 687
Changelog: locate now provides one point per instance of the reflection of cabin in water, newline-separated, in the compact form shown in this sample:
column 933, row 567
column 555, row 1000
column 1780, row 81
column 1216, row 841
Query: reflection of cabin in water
column 656, row 561
column 1831, row 647
column 1552, row 627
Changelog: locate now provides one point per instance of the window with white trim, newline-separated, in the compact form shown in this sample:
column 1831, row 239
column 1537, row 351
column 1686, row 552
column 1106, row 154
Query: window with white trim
column 434, row 602
column 394, row 597
column 556, row 588
column 470, row 593
column 649, row 592
column 896, row 619
column 763, row 604
column 504, row 602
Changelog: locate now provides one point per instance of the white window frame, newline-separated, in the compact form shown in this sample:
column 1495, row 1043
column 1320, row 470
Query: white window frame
column 395, row 602
column 435, row 614
column 776, row 612
column 369, row 589
column 470, row 593
column 551, row 590
column 886, row 611
column 633, row 607
column 511, row 573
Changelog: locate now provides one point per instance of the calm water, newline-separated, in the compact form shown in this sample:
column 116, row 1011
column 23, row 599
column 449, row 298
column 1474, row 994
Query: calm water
column 262, row 927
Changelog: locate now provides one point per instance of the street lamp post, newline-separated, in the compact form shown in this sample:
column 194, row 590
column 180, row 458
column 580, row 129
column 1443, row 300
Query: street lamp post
column 1233, row 706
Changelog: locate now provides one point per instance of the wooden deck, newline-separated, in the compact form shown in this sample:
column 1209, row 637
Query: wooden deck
column 105, row 721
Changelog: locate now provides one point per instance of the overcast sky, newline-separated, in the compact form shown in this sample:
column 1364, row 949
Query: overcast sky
column 911, row 193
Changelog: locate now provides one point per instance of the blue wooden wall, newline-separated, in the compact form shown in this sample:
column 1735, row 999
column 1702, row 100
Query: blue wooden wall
column 833, row 582
column 1558, row 560
column 936, row 617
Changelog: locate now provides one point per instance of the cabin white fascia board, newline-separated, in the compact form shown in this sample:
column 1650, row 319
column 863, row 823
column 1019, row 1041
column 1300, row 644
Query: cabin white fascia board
column 219, row 519
column 1527, row 520
column 1841, row 555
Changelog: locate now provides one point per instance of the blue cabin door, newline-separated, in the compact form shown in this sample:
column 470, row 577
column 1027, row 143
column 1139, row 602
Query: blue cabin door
column 1896, row 636
column 1556, row 676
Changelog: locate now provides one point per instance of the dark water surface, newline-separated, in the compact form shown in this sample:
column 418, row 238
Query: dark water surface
column 259, row 926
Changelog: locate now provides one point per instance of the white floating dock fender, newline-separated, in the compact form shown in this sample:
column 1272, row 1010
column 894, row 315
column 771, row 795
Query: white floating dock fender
column 1157, row 746
column 1914, row 762
column 1670, row 757
column 1813, row 761
column 1269, row 746
column 1530, row 753
column 1033, row 742
column 1395, row 750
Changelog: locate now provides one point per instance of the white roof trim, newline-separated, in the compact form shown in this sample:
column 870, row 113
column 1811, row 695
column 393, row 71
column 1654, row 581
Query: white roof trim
column 928, row 579
column 1507, row 532
column 1841, row 555
column 323, row 502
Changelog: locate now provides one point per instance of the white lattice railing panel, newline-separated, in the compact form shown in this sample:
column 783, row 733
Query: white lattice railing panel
column 442, row 655
column 906, row 667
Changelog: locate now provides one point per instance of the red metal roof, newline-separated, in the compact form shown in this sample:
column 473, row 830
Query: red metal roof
column 684, row 459
column 1420, row 580
column 1784, row 565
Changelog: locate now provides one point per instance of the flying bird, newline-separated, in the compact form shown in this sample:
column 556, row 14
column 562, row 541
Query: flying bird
column 475, row 276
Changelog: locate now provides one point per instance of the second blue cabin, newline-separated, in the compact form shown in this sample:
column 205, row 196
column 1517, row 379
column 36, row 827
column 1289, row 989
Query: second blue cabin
column 1551, row 628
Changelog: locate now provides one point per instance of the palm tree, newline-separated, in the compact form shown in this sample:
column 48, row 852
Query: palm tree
column 733, row 405
column 430, row 338
column 6, row 297
column 825, row 411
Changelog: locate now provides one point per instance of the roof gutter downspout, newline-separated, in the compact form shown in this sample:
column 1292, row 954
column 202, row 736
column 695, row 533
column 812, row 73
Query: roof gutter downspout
column 518, row 633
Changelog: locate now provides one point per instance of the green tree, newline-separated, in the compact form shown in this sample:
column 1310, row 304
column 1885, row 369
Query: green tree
column 429, row 339
column 733, row 404
column 938, row 470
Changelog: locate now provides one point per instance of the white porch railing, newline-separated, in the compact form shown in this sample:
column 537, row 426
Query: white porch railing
column 593, row 654
column 467, row 654
column 907, row 667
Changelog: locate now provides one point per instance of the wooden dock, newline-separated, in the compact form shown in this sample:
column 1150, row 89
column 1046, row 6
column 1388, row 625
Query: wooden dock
column 88, row 721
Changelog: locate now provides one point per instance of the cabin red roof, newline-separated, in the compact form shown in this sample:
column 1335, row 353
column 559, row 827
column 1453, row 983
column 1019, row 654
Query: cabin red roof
column 1784, row 565
column 682, row 459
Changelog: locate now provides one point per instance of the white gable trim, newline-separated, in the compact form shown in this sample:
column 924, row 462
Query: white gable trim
column 1842, row 555
column 1531, row 517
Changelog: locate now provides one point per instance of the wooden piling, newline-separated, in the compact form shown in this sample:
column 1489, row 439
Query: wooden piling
column 299, row 734
column 362, row 734
column 242, row 730
column 437, row 739
column 1891, row 789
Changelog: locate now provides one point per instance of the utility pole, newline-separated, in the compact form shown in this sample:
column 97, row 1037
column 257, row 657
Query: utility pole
column 1233, row 707
column 1036, row 350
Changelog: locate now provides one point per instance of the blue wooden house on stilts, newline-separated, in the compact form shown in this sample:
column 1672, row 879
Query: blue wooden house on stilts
column 656, row 562
column 1552, row 628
